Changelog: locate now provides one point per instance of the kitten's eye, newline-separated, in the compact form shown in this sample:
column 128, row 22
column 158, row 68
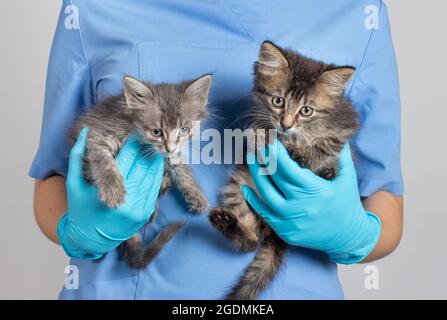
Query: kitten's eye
column 306, row 111
column 156, row 132
column 185, row 131
column 278, row 101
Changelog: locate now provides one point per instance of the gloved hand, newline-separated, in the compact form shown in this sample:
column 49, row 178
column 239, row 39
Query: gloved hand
column 308, row 211
column 89, row 229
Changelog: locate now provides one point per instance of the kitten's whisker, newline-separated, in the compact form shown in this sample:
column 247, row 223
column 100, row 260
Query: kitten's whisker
column 148, row 151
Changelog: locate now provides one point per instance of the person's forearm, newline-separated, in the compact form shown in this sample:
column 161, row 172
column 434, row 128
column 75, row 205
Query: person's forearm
column 389, row 209
column 50, row 204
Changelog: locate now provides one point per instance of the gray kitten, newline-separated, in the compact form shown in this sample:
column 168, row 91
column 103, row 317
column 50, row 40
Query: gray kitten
column 162, row 115
column 303, row 100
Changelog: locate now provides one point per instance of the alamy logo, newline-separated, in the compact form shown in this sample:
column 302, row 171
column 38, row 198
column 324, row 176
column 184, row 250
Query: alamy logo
column 72, row 17
column 372, row 278
column 72, row 279
column 372, row 18
column 210, row 146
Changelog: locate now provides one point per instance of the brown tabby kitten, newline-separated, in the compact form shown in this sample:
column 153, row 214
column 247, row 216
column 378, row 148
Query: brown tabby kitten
column 162, row 115
column 303, row 100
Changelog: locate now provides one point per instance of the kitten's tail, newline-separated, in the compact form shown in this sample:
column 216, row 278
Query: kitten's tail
column 261, row 271
column 138, row 256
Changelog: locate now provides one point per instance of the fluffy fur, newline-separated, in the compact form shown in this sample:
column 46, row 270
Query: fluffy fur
column 304, row 101
column 162, row 115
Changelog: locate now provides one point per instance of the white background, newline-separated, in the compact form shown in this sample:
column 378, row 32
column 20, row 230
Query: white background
column 31, row 267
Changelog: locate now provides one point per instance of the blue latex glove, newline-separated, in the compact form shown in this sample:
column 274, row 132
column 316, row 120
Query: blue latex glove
column 308, row 211
column 89, row 229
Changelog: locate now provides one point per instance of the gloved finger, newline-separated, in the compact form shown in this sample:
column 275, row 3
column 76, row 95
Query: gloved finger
column 150, row 201
column 259, row 206
column 284, row 185
column 152, row 183
column 346, row 165
column 142, row 177
column 267, row 189
column 142, row 166
column 255, row 202
column 288, row 169
column 75, row 166
column 127, row 154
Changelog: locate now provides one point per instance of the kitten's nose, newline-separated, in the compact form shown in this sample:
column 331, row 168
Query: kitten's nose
column 287, row 122
column 171, row 147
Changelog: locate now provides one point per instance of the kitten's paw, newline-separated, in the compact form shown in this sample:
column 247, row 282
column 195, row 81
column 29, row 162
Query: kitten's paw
column 197, row 203
column 112, row 192
column 227, row 223
column 328, row 174
column 222, row 220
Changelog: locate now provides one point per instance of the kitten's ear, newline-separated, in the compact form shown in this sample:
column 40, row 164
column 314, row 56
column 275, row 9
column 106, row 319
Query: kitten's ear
column 271, row 59
column 335, row 80
column 135, row 91
column 197, row 90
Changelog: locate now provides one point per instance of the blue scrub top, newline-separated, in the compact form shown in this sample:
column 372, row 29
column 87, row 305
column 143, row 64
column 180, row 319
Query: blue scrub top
column 97, row 42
